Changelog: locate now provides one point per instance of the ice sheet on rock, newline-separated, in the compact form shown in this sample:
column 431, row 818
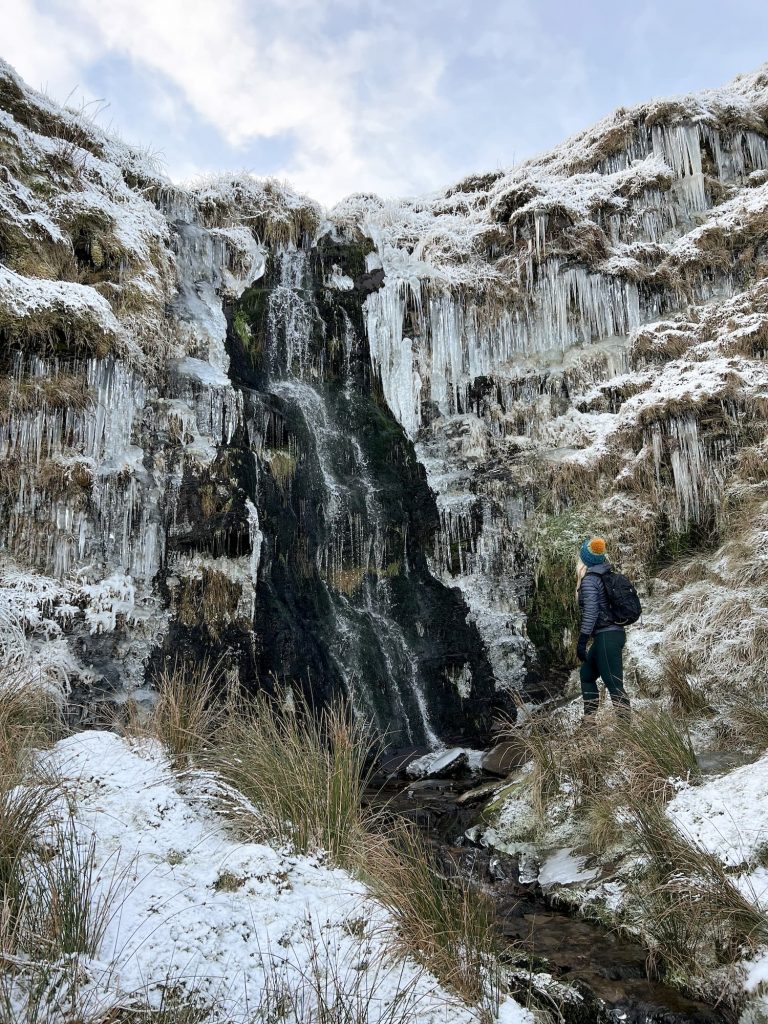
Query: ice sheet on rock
column 564, row 867
column 440, row 762
column 205, row 373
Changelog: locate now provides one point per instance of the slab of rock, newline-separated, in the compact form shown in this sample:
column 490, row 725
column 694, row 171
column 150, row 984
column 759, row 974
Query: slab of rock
column 477, row 793
column 504, row 757
column 444, row 763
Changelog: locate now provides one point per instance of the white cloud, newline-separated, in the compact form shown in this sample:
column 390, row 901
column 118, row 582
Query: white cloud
column 49, row 55
column 345, row 95
column 255, row 71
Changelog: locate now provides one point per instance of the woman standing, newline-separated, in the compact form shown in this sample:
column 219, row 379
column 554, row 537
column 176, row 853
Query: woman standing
column 604, row 657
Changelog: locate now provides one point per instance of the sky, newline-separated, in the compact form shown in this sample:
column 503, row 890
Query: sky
column 337, row 96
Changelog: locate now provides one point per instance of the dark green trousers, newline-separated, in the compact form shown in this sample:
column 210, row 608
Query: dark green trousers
column 604, row 662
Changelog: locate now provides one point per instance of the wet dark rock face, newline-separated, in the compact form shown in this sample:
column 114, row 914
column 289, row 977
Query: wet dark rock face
column 345, row 601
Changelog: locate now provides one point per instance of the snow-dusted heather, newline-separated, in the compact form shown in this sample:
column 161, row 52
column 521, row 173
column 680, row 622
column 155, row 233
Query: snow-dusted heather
column 193, row 907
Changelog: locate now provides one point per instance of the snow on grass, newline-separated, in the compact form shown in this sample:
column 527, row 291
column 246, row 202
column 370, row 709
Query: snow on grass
column 73, row 305
column 728, row 815
column 219, row 916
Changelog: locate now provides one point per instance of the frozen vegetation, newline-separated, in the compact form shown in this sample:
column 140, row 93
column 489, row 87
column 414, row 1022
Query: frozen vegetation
column 576, row 344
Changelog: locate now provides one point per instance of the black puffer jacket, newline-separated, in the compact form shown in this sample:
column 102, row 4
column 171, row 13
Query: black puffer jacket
column 595, row 611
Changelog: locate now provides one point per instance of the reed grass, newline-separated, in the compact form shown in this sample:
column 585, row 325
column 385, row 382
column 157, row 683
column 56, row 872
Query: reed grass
column 186, row 713
column 447, row 924
column 306, row 771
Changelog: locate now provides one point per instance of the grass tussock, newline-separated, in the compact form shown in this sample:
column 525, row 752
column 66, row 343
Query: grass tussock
column 306, row 771
column 660, row 750
column 22, row 814
column 750, row 712
column 185, row 715
column 685, row 695
column 690, row 911
column 56, row 330
column 69, row 908
column 210, row 602
column 29, row 393
column 29, row 719
column 446, row 924
column 588, row 768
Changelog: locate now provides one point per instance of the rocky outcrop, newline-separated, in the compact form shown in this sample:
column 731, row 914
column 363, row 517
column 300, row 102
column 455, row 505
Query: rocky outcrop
column 353, row 452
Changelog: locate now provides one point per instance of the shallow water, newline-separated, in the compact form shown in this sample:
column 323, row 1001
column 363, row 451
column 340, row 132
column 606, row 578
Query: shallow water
column 612, row 970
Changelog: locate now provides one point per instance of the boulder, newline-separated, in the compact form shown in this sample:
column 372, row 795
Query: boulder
column 504, row 757
column 444, row 763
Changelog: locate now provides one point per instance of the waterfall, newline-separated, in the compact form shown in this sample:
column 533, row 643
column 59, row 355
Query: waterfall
column 353, row 557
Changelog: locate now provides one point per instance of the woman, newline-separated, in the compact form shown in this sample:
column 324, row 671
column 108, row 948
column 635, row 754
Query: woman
column 604, row 658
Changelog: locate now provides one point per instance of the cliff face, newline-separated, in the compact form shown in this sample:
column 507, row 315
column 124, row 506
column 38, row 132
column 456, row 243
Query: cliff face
column 578, row 345
column 353, row 452
column 198, row 459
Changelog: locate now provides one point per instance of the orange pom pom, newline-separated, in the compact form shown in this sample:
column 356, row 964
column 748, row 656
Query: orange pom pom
column 597, row 546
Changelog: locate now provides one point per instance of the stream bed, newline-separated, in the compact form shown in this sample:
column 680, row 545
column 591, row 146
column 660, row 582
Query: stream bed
column 609, row 971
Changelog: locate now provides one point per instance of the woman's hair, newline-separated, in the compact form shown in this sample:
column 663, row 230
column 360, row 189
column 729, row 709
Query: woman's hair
column 581, row 572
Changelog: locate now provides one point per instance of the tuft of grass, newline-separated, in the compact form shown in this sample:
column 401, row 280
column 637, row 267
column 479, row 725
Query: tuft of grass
column 601, row 826
column 579, row 761
column 689, row 910
column 209, row 602
column 22, row 813
column 185, row 715
column 56, row 330
column 320, row 982
column 684, row 695
column 69, row 909
column 658, row 751
column 546, row 751
column 29, row 718
column 306, row 770
column 446, row 924
column 751, row 714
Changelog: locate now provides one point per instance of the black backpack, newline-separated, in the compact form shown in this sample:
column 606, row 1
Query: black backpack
column 622, row 598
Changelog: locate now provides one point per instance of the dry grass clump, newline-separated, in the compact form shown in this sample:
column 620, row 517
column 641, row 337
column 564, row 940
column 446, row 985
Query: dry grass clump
column 447, row 924
column 750, row 712
column 657, row 752
column 29, row 719
column 277, row 216
column 210, row 601
column 282, row 466
column 601, row 824
column 660, row 343
column 689, row 910
column 55, row 330
column 305, row 769
column 28, row 393
column 22, row 814
column 682, row 686
column 185, row 715
column 67, row 913
column 595, row 771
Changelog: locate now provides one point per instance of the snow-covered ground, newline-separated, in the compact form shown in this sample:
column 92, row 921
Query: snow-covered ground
column 226, row 924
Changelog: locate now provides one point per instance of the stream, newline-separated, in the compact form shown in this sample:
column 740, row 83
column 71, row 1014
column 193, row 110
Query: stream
column 606, row 969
